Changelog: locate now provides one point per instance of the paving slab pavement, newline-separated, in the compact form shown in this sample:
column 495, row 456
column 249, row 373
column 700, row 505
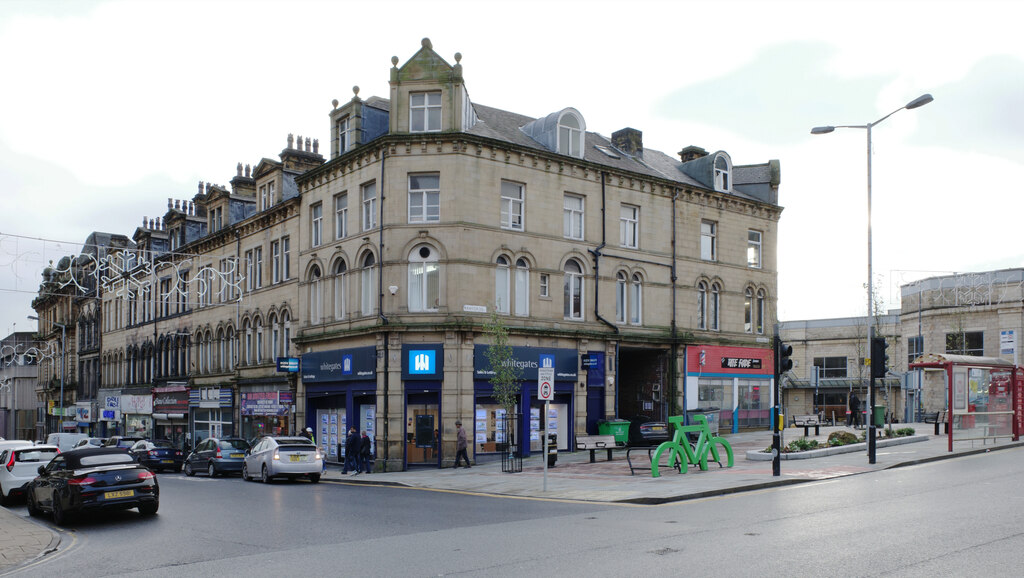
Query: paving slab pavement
column 22, row 541
column 575, row 478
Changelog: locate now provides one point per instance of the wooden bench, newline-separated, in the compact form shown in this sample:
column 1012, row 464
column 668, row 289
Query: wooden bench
column 594, row 443
column 807, row 422
column 937, row 418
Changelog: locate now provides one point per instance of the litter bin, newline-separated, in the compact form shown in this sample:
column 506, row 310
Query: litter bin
column 879, row 416
column 614, row 427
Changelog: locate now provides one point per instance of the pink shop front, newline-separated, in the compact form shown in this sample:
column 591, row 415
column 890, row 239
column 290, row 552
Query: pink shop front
column 733, row 384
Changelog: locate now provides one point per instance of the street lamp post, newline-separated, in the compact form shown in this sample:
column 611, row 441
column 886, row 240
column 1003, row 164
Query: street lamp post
column 916, row 103
column 63, row 334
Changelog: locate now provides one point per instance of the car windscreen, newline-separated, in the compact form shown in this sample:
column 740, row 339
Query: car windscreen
column 162, row 444
column 105, row 459
column 34, row 455
column 233, row 445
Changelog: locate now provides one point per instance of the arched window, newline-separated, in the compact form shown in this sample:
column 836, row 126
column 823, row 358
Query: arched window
column 723, row 173
column 702, row 305
column 221, row 351
column 748, row 310
column 247, row 336
column 759, row 318
column 230, row 360
column 522, row 288
column 208, row 346
column 259, row 340
column 275, row 337
column 502, row 290
column 340, row 271
column 316, row 301
column 570, row 135
column 573, row 290
column 620, row 297
column 286, row 332
column 716, row 302
column 367, row 285
column 635, row 300
column 424, row 279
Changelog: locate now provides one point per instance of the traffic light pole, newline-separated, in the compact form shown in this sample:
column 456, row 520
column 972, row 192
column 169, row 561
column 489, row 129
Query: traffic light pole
column 871, row 395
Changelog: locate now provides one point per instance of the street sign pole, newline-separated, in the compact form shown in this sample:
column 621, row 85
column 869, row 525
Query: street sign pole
column 545, row 391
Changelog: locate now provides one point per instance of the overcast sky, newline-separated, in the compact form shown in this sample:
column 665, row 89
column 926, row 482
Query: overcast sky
column 109, row 108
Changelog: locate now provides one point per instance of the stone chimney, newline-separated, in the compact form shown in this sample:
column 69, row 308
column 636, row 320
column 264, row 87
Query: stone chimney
column 629, row 141
column 692, row 152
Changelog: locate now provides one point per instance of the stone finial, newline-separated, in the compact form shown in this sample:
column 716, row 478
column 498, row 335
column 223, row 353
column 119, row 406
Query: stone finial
column 238, row 169
column 458, row 57
column 335, row 103
column 291, row 140
column 355, row 90
column 248, row 171
column 427, row 44
column 316, row 146
column 394, row 61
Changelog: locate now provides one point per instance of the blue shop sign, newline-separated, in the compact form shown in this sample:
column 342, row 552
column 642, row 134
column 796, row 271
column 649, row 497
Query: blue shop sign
column 528, row 359
column 288, row 364
column 356, row 364
column 423, row 361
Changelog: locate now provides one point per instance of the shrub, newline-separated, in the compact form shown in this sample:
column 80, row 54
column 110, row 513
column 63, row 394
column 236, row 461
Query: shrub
column 801, row 445
column 841, row 438
column 905, row 432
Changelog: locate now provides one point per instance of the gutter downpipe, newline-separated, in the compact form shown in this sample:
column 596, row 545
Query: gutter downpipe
column 673, row 376
column 597, row 257
column 380, row 310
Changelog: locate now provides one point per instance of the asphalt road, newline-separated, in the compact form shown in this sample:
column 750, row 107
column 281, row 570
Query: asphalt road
column 947, row 518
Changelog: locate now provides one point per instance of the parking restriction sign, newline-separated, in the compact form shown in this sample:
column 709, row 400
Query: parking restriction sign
column 545, row 383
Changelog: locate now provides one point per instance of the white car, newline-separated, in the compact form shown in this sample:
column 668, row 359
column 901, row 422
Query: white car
column 19, row 465
column 283, row 457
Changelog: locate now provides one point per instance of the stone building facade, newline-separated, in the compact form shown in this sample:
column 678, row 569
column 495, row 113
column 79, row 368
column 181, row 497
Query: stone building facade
column 647, row 281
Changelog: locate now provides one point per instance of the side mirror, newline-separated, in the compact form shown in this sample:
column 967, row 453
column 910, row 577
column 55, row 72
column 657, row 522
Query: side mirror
column 42, row 470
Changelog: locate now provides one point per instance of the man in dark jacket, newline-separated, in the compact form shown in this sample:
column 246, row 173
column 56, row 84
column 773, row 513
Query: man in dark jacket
column 364, row 454
column 854, row 411
column 351, row 453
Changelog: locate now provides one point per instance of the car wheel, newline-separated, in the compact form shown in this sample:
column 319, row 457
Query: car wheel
column 265, row 475
column 212, row 471
column 188, row 469
column 4, row 500
column 33, row 509
column 315, row 478
column 245, row 473
column 60, row 517
column 149, row 509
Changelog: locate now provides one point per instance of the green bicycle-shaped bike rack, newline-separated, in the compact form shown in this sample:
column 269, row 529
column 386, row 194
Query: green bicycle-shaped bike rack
column 696, row 454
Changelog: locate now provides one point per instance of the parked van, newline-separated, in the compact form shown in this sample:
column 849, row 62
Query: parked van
column 65, row 441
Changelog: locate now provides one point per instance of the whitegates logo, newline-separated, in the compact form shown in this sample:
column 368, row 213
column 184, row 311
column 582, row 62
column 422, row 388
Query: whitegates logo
column 421, row 361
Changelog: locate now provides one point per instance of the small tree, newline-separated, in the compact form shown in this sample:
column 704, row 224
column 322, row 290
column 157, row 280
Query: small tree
column 505, row 375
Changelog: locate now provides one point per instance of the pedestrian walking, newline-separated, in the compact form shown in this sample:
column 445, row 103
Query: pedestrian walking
column 351, row 453
column 854, row 418
column 365, row 453
column 460, row 444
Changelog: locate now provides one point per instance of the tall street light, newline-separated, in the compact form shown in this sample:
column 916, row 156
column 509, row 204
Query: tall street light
column 63, row 330
column 916, row 103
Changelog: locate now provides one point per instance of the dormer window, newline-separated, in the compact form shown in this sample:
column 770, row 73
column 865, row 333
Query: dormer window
column 570, row 135
column 723, row 173
column 344, row 135
column 425, row 111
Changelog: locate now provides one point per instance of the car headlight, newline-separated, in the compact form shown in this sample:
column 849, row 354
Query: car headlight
column 276, row 456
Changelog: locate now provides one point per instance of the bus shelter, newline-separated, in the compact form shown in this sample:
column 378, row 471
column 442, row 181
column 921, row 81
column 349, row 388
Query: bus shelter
column 984, row 396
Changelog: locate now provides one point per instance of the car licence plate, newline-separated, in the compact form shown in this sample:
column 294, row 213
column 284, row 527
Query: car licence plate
column 238, row 455
column 120, row 494
column 296, row 457
column 657, row 428
column 166, row 461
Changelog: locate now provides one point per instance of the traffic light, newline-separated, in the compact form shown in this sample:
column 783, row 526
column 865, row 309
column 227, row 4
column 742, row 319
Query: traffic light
column 879, row 359
column 783, row 352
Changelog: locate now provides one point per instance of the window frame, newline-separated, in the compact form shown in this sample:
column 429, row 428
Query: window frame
column 424, row 279
column 316, row 224
column 629, row 226
column 427, row 198
column 502, row 285
column 341, row 215
column 573, row 217
column 708, row 240
column 369, row 205
column 754, row 249
column 425, row 111
column 521, row 288
column 573, row 291
column 512, row 208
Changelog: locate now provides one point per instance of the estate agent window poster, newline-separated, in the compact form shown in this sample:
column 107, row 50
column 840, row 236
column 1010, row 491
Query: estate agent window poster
column 960, row 389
